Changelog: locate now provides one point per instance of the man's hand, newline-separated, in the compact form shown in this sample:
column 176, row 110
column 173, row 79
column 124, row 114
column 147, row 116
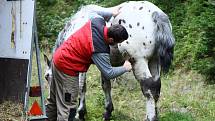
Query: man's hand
column 116, row 11
column 127, row 65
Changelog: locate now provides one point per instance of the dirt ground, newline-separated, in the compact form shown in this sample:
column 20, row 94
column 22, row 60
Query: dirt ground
column 10, row 111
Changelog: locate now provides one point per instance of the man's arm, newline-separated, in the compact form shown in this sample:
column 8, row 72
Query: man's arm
column 102, row 61
column 104, row 13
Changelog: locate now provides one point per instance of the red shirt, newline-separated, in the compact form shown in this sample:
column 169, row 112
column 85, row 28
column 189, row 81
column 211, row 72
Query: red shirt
column 74, row 55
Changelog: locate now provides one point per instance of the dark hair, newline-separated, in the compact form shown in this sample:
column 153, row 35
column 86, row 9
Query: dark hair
column 118, row 33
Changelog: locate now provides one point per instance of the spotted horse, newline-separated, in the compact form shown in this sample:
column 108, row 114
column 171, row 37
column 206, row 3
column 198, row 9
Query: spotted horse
column 149, row 48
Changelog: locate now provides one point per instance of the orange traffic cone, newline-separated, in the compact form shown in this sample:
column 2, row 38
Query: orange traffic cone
column 35, row 109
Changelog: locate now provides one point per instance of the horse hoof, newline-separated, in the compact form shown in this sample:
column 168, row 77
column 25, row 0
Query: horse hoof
column 153, row 119
column 82, row 114
column 106, row 116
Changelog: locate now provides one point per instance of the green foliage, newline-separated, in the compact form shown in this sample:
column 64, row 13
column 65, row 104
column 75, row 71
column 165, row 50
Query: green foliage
column 194, row 29
column 195, row 38
column 53, row 14
column 51, row 17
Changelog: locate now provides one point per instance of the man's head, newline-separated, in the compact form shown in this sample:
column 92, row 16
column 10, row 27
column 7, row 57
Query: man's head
column 117, row 34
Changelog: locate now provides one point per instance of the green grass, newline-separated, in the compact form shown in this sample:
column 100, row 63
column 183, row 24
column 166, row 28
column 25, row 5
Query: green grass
column 184, row 97
column 186, row 92
column 176, row 116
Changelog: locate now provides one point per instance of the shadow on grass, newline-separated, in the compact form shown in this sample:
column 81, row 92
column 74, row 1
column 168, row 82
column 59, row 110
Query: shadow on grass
column 176, row 116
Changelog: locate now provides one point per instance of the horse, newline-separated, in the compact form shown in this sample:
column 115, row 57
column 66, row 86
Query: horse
column 149, row 48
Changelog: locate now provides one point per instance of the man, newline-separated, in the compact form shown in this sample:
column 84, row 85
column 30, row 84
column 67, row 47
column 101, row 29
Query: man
column 89, row 44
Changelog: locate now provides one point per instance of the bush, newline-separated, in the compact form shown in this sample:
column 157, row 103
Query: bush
column 195, row 38
column 194, row 29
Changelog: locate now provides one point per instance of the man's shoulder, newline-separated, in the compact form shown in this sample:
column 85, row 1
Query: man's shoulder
column 98, row 21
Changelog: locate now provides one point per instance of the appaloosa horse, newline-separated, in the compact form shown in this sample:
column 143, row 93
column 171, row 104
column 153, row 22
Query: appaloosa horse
column 149, row 48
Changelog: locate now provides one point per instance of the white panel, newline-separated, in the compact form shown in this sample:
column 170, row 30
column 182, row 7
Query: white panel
column 17, row 16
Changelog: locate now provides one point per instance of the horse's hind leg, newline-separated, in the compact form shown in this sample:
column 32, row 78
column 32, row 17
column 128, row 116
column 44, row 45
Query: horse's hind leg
column 149, row 86
column 155, row 68
column 106, row 86
column 81, row 111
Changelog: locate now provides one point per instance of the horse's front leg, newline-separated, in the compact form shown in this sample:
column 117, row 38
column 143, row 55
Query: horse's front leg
column 150, row 88
column 81, row 111
column 106, row 86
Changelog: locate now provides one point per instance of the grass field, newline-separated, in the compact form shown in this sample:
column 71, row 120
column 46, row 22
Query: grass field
column 184, row 97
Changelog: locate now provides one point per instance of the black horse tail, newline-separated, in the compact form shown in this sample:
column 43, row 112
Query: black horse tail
column 165, row 40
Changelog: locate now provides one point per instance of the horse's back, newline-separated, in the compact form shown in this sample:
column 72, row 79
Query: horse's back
column 136, row 17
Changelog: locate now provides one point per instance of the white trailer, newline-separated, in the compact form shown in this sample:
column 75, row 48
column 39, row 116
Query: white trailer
column 18, row 35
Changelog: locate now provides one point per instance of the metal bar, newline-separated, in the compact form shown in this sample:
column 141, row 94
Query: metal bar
column 38, row 62
column 28, row 84
column 14, row 0
column 37, row 118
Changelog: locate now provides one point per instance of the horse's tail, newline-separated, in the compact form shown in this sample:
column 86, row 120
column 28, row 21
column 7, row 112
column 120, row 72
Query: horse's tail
column 165, row 40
